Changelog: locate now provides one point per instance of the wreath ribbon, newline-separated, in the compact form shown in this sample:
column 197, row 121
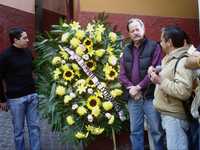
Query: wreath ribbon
column 95, row 80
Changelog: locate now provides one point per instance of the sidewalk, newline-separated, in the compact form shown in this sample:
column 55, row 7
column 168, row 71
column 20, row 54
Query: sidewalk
column 49, row 140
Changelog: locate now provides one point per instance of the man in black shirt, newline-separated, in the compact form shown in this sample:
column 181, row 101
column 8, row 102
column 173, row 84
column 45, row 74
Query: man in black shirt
column 17, row 89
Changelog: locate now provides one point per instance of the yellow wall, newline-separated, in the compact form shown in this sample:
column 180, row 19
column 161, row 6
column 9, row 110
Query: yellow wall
column 169, row 8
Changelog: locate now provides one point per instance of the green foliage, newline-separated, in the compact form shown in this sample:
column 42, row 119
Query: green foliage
column 65, row 90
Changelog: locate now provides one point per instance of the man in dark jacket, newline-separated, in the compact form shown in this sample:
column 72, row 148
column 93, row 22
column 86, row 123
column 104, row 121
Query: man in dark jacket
column 18, row 89
column 137, row 57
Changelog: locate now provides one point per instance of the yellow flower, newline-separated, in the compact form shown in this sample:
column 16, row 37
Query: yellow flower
column 65, row 37
column 75, row 25
column 93, row 102
column 91, row 65
column 107, row 105
column 81, row 135
column 96, row 111
column 75, row 67
column 110, row 50
column 98, row 36
column 81, row 111
column 80, row 85
column 98, row 94
column 107, row 68
column 64, row 67
column 112, row 60
column 56, row 60
column 95, row 130
column 80, row 34
column 111, row 120
column 70, row 120
column 64, row 55
column 67, row 98
column 90, row 83
column 56, row 73
column 100, row 52
column 74, row 42
column 116, row 92
column 60, row 90
column 80, row 89
column 68, row 74
column 90, row 52
column 100, row 28
column 112, row 36
column 88, row 43
column 110, row 72
column 80, row 50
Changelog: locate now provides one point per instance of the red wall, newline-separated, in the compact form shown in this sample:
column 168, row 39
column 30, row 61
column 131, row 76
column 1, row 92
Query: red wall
column 50, row 18
column 153, row 24
column 11, row 17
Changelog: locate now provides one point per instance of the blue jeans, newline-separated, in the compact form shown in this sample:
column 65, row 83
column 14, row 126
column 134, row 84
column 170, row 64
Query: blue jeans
column 21, row 108
column 176, row 132
column 137, row 110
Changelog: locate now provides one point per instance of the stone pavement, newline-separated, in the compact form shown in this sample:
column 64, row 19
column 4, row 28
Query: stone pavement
column 49, row 140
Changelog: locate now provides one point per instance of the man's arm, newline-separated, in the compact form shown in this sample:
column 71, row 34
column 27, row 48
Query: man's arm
column 156, row 60
column 122, row 75
column 3, row 104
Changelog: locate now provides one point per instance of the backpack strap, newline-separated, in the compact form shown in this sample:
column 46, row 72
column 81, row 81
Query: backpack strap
column 178, row 59
column 187, row 104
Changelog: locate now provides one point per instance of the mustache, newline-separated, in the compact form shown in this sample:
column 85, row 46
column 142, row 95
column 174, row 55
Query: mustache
column 137, row 35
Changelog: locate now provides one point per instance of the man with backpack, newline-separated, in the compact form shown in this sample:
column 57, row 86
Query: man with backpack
column 193, row 63
column 173, row 87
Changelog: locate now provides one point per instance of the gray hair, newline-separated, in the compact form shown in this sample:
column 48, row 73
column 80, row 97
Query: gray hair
column 135, row 20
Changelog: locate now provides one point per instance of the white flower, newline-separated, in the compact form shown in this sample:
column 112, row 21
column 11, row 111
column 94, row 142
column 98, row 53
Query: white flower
column 120, row 55
column 73, row 95
column 74, row 106
column 65, row 25
column 108, row 115
column 90, row 118
column 63, row 62
column 112, row 60
column 65, row 37
column 90, row 90
column 86, row 57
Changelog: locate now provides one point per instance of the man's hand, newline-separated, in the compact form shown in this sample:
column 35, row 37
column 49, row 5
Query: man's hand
column 151, row 69
column 134, row 90
column 155, row 78
column 3, row 106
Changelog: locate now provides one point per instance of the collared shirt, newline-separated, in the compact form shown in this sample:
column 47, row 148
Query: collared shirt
column 135, row 76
